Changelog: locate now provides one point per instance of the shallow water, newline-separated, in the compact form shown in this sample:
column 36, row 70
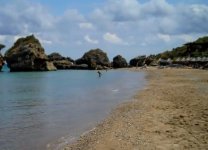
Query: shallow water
column 40, row 108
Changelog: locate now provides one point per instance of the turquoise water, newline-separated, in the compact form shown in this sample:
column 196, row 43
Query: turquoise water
column 40, row 108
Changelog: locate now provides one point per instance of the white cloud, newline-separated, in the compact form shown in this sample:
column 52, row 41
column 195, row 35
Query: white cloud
column 90, row 40
column 44, row 41
column 72, row 15
column 86, row 25
column 23, row 18
column 186, row 38
column 157, row 8
column 164, row 37
column 123, row 10
column 112, row 38
column 16, row 37
column 142, row 23
column 2, row 38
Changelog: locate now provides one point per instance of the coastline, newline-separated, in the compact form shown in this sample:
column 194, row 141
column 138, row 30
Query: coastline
column 170, row 113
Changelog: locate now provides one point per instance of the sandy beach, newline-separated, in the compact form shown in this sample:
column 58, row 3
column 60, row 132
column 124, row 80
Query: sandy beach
column 170, row 113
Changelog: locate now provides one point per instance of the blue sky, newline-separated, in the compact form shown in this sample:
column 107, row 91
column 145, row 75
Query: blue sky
column 126, row 27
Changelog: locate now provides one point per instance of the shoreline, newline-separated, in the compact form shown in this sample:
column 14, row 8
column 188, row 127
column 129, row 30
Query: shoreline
column 62, row 142
column 169, row 113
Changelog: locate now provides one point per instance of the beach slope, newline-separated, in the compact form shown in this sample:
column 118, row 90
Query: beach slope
column 170, row 113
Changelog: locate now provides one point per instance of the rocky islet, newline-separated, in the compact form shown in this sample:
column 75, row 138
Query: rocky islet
column 27, row 54
column 94, row 59
column 1, row 57
column 119, row 62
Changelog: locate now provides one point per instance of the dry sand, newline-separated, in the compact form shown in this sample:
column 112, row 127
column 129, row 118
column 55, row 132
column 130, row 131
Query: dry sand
column 171, row 113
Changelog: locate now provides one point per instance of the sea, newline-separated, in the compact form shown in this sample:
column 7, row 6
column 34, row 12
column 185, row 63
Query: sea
column 46, row 110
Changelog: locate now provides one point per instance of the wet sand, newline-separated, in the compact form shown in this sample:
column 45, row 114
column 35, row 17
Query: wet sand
column 171, row 113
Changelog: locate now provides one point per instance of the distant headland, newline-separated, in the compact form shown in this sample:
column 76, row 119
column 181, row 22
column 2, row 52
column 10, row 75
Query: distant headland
column 27, row 54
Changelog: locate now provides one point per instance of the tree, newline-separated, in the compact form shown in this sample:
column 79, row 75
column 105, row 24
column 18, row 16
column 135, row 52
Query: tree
column 198, row 48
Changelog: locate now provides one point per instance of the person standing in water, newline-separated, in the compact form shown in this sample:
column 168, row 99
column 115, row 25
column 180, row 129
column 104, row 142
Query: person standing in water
column 99, row 73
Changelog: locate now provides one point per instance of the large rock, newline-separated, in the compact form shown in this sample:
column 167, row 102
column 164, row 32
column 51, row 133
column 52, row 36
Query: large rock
column 27, row 54
column 138, row 61
column 1, row 57
column 61, row 62
column 94, row 58
column 119, row 62
column 1, row 62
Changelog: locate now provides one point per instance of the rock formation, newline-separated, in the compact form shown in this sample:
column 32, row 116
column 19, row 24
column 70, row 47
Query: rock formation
column 119, row 62
column 79, row 67
column 1, row 57
column 1, row 62
column 61, row 62
column 27, row 54
column 138, row 61
column 95, row 59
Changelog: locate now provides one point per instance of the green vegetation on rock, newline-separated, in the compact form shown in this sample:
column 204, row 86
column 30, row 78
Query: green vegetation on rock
column 198, row 48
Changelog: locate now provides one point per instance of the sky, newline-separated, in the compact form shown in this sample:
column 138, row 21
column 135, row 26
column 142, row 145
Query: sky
column 126, row 27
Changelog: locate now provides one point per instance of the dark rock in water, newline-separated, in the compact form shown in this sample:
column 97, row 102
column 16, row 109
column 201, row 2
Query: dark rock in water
column 80, row 61
column 80, row 67
column 138, row 61
column 27, row 54
column 1, row 62
column 1, row 57
column 119, row 62
column 57, row 56
column 93, row 58
column 61, row 62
